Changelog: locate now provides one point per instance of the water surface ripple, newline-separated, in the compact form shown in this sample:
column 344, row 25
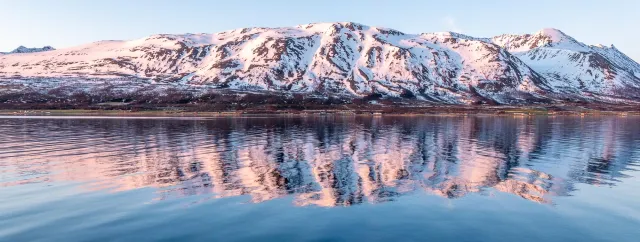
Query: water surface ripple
column 328, row 178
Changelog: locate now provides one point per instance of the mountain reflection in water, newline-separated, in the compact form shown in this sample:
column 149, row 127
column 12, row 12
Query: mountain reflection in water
column 323, row 161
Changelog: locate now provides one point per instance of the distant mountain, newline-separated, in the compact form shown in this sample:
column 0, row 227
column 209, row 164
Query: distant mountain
column 22, row 49
column 343, row 59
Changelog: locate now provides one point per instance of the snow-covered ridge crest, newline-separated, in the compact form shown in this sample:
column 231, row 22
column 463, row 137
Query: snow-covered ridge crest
column 351, row 59
column 547, row 38
column 572, row 66
column 22, row 49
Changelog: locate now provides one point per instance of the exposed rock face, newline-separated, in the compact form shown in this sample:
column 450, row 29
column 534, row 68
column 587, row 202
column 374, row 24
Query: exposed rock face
column 573, row 67
column 350, row 59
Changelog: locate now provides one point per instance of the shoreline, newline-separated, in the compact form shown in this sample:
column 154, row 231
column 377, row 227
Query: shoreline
column 422, row 111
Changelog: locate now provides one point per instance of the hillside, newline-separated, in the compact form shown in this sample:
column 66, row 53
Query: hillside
column 343, row 60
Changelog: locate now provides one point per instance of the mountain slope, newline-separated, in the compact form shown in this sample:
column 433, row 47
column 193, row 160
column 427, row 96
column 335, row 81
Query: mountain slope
column 573, row 67
column 347, row 59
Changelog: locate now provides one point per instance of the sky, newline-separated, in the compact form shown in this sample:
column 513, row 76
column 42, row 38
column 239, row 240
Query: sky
column 66, row 23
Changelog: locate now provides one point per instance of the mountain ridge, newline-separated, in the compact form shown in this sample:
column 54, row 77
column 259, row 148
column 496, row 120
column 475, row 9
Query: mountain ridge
column 346, row 59
column 23, row 49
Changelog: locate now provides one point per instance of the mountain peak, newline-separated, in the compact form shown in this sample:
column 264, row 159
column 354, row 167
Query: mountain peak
column 552, row 37
column 322, row 27
column 552, row 32
column 23, row 49
column 555, row 35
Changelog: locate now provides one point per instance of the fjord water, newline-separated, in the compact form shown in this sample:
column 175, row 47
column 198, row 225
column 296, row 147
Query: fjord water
column 323, row 178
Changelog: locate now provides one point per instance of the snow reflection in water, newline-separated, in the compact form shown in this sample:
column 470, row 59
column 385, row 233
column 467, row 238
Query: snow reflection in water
column 298, row 179
column 324, row 161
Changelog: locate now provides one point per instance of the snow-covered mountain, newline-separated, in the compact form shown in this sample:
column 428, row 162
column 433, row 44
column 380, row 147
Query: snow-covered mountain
column 346, row 59
column 574, row 67
column 22, row 49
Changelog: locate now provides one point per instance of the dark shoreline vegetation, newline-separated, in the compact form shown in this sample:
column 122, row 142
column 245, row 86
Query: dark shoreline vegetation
column 178, row 102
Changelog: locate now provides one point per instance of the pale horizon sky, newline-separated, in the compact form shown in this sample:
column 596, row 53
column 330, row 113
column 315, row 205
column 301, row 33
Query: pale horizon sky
column 66, row 23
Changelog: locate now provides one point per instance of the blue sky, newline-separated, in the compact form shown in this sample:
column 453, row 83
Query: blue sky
column 65, row 23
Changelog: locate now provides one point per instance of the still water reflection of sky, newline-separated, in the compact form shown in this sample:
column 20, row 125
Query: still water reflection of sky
column 331, row 178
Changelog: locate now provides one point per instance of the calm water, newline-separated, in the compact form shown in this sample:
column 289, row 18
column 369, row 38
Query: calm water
column 320, row 179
